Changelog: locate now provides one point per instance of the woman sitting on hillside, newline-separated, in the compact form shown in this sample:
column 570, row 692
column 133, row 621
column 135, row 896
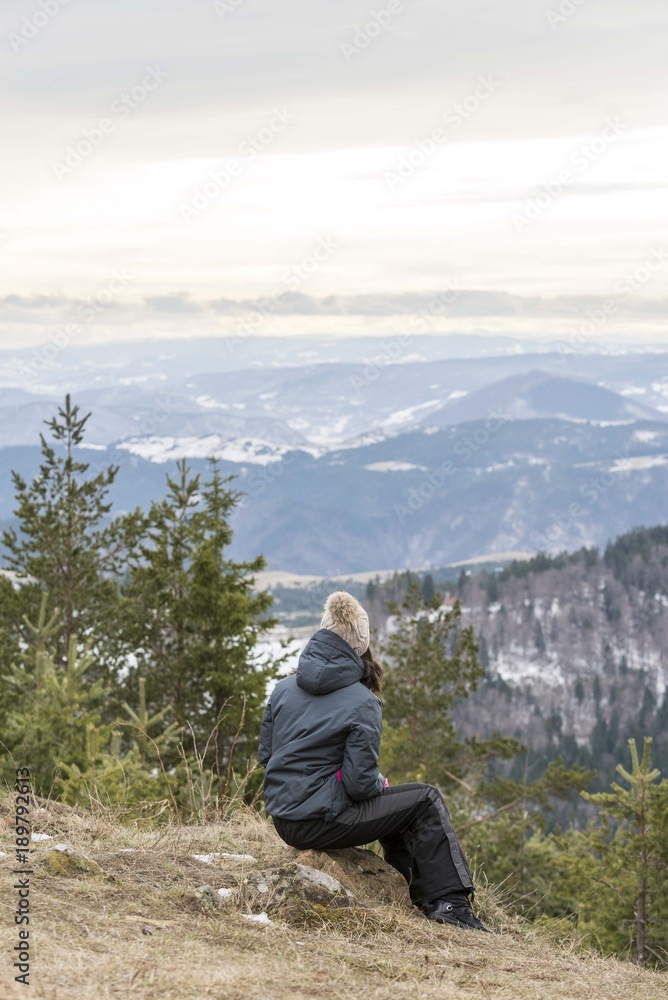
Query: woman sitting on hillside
column 319, row 745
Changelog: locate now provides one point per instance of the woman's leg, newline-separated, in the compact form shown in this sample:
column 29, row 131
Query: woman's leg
column 412, row 824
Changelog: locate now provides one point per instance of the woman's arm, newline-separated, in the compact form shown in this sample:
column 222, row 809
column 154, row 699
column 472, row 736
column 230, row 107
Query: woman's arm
column 359, row 772
column 264, row 749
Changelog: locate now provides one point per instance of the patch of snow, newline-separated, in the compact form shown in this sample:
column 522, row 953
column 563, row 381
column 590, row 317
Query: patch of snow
column 93, row 447
column 431, row 430
column 257, row 918
column 393, row 466
column 646, row 436
column 167, row 449
column 457, row 394
column 600, row 423
column 208, row 403
column 409, row 413
column 633, row 390
column 514, row 666
column 208, row 859
column 371, row 437
column 495, row 466
column 62, row 847
column 41, row 836
column 226, row 893
column 331, row 433
column 641, row 462
column 3, row 854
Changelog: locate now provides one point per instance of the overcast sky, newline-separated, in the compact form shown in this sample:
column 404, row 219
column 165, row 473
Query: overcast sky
column 364, row 153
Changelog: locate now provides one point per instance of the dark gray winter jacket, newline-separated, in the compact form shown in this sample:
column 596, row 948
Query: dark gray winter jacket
column 320, row 735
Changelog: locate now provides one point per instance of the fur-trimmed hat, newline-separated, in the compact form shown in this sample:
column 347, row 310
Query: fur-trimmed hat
column 346, row 616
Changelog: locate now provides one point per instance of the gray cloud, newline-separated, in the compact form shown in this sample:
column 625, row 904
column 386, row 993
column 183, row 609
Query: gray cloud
column 172, row 304
column 469, row 302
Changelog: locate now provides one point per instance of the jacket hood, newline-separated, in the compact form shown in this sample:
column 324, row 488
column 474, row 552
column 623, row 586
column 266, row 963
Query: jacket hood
column 328, row 663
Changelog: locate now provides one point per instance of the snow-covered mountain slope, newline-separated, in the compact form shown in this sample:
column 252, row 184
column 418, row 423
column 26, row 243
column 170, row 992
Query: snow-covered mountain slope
column 539, row 394
column 329, row 405
column 347, row 466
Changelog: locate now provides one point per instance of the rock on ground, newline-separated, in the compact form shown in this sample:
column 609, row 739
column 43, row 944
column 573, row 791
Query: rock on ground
column 325, row 885
column 64, row 860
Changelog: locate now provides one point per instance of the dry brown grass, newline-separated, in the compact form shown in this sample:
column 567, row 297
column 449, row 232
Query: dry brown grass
column 143, row 934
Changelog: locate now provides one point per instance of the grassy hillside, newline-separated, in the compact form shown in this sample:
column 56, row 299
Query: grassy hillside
column 141, row 930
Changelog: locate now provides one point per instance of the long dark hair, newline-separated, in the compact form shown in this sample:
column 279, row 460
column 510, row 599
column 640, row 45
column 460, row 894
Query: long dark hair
column 373, row 672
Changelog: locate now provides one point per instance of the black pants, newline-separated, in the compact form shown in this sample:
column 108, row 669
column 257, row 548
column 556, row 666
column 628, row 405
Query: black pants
column 414, row 828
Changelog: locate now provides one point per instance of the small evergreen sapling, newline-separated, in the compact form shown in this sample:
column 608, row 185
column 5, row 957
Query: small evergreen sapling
column 194, row 618
column 616, row 871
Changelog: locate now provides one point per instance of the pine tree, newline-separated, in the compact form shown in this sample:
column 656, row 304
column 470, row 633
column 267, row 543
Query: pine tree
column 433, row 662
column 510, row 842
column 12, row 609
column 125, row 762
column 195, row 620
column 54, row 705
column 617, row 869
column 66, row 544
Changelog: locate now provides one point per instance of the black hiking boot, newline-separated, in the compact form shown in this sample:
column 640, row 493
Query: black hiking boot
column 422, row 905
column 456, row 910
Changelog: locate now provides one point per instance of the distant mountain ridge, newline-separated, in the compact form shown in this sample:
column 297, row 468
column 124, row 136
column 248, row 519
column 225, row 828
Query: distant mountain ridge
column 325, row 405
column 538, row 394
column 347, row 466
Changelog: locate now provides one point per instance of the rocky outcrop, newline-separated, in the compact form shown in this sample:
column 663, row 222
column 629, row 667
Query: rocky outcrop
column 64, row 860
column 324, row 886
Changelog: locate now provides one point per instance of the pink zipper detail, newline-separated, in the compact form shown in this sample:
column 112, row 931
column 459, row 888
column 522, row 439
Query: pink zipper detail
column 338, row 776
